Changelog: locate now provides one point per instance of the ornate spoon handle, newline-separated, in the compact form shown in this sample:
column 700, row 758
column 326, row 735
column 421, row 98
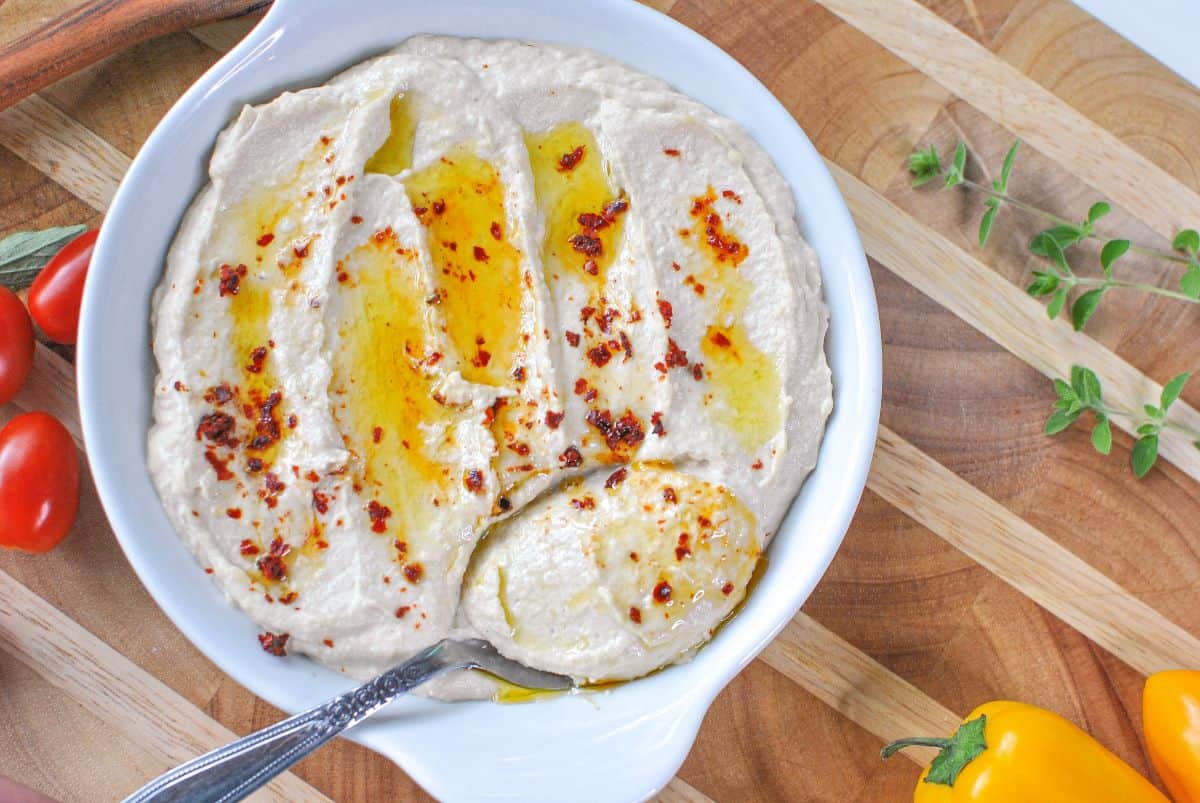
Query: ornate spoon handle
column 232, row 772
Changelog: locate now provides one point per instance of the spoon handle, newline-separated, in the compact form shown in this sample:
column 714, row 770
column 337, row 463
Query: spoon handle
column 97, row 29
column 232, row 772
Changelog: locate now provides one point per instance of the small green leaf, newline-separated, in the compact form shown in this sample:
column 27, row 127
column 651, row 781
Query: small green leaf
column 1189, row 283
column 1187, row 240
column 1064, row 390
column 1065, row 404
column 1172, row 389
column 1043, row 284
column 1085, row 306
column 1060, row 421
column 955, row 174
column 1112, row 251
column 1102, row 436
column 985, row 225
column 1152, row 411
column 924, row 165
column 1062, row 236
column 1006, row 169
column 1098, row 210
column 1148, row 429
column 24, row 253
column 1085, row 384
column 1145, row 452
column 1056, row 304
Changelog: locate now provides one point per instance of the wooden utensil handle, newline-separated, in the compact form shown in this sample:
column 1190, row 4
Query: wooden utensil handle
column 96, row 29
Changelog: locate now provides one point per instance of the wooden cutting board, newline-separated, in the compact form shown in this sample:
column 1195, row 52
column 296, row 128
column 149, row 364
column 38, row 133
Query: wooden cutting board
column 986, row 561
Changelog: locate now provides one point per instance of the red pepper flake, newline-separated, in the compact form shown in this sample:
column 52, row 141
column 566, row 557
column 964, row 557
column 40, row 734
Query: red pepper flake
column 414, row 572
column 569, row 160
column 233, row 512
column 179, row 386
column 581, row 386
column 656, row 424
column 584, row 503
column 257, row 358
column 616, row 478
column 301, row 251
column 662, row 592
column 272, row 567
column 420, row 210
column 377, row 434
column 669, row 495
column 591, row 268
column 724, row 246
column 664, row 309
column 615, row 208
column 520, row 448
column 698, row 371
column 439, row 207
column 719, row 339
column 379, row 515
column 633, row 556
column 731, row 195
column 625, row 431
column 473, row 480
column 671, row 152
column 328, row 643
column 356, row 219
column 682, row 551
column 402, row 611
column 292, row 421
column 695, row 285
column 727, row 589
column 496, row 231
column 590, row 220
column 604, row 320
column 208, row 570
column 675, row 357
column 572, row 338
column 220, row 428
column 519, row 373
column 320, row 501
column 586, row 244
column 571, row 458
column 231, row 279
column 757, row 465
column 248, row 548
column 626, row 346
column 265, row 240
column 218, row 395
column 599, row 355
column 704, row 522
column 254, row 465
column 635, row 615
column 220, row 466
column 343, row 277
column 553, row 419
column 273, row 643
column 480, row 254
column 481, row 358
column 289, row 598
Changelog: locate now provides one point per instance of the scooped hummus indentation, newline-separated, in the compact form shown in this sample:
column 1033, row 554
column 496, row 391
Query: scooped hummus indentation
column 493, row 339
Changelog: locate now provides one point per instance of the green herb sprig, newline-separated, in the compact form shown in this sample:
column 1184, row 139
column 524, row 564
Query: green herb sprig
column 1065, row 289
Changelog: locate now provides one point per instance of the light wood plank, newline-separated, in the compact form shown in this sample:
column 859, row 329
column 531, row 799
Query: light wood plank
column 1021, row 555
column 51, row 388
column 680, row 791
column 60, row 147
column 1049, row 124
column 137, row 704
column 1003, row 312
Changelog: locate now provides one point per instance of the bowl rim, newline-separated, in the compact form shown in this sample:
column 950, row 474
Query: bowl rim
column 853, row 347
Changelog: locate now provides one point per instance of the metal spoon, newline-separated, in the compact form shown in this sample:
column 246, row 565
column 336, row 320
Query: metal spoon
column 232, row 772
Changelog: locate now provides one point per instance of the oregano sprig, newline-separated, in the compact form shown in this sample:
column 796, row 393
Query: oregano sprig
column 1083, row 394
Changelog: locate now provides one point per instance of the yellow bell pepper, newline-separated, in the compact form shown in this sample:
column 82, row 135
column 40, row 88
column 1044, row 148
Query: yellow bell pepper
column 1171, row 720
column 1007, row 752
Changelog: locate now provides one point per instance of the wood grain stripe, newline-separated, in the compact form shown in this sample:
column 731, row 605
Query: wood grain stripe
column 1006, row 314
column 144, row 709
column 59, row 146
column 680, row 791
column 1028, row 560
column 972, row 72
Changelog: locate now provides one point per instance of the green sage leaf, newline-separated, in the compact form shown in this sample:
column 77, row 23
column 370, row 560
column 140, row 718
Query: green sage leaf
column 1102, row 436
column 1148, row 429
column 1098, row 210
column 924, row 165
column 1085, row 306
column 955, row 174
column 1111, row 252
column 1060, row 421
column 1061, row 236
column 1057, row 303
column 1043, row 284
column 1006, row 168
column 1172, row 389
column 1189, row 283
column 1187, row 240
column 1145, row 453
column 24, row 253
column 1065, row 391
column 985, row 225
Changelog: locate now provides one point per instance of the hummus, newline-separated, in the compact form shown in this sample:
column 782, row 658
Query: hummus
column 487, row 338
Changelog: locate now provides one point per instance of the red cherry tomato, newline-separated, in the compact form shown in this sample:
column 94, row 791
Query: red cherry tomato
column 16, row 344
column 39, row 482
column 57, row 291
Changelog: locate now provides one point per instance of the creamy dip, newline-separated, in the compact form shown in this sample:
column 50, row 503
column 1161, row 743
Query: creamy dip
column 487, row 338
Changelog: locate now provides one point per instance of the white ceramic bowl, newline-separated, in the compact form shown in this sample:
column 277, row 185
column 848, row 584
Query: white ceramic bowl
column 622, row 744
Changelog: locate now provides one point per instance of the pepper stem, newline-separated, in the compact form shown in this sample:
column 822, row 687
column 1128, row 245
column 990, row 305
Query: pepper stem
column 956, row 752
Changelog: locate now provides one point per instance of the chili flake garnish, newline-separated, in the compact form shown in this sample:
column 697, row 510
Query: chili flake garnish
column 320, row 501
column 265, row 240
column 572, row 338
column 599, row 355
column 257, row 357
column 248, row 548
column 584, row 503
column 664, row 309
column 616, row 478
column 233, row 512
column 698, row 371
column 219, row 428
column 218, row 395
column 480, row 254
column 272, row 567
column 635, row 615
column 402, row 611
column 675, row 356
column 627, row 430
column 571, row 458
column 722, row 243
column 231, row 279
column 727, row 589
column 569, row 160
column 656, row 424
column 356, row 219
column 586, row 244
column 497, row 233
column 473, row 480
column 553, row 419
column 289, row 597
column 376, row 434
column 220, row 466
column 379, row 515
column 414, row 572
column 276, row 644
column 662, row 592
column 719, row 339
column 671, row 152
column 626, row 346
